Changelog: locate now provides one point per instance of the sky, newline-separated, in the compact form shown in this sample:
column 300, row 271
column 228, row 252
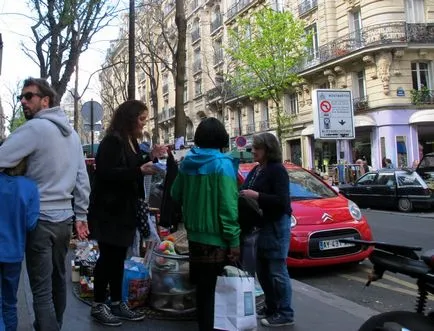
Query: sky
column 16, row 66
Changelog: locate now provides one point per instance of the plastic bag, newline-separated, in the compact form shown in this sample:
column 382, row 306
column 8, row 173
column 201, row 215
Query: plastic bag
column 136, row 284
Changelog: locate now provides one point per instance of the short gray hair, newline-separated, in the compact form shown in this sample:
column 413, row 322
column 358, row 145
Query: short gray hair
column 270, row 144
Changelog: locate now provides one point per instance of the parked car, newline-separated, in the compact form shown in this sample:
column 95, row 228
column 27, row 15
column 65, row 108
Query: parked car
column 402, row 189
column 320, row 218
column 425, row 169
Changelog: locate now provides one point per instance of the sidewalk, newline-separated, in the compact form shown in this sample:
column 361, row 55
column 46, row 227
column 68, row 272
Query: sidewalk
column 314, row 309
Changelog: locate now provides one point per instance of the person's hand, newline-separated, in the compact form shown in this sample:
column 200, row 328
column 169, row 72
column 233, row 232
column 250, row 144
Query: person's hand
column 158, row 151
column 82, row 229
column 148, row 169
column 234, row 254
column 250, row 194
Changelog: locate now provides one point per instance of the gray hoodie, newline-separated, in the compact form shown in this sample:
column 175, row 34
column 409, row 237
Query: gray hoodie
column 55, row 161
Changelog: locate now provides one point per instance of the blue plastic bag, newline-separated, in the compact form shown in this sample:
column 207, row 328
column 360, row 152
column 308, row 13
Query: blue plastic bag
column 136, row 284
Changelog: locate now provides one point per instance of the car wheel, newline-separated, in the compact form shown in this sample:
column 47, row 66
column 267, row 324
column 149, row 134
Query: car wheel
column 405, row 205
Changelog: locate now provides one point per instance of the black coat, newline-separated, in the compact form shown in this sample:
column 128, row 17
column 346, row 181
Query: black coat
column 116, row 188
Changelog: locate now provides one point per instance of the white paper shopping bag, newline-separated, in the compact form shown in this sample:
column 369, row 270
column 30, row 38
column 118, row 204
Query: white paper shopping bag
column 235, row 304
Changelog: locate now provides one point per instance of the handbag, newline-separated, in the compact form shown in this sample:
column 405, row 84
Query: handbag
column 249, row 246
column 142, row 218
column 235, row 303
column 249, row 214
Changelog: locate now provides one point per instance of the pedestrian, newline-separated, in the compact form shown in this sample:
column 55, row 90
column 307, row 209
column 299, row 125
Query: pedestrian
column 389, row 164
column 206, row 187
column 116, row 189
column 268, row 183
column 56, row 164
column 19, row 211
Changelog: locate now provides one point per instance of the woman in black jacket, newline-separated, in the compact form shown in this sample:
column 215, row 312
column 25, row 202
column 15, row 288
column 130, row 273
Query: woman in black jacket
column 116, row 188
column 268, row 183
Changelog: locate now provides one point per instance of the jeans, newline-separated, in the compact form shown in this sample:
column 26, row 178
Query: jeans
column 46, row 250
column 9, row 279
column 276, row 284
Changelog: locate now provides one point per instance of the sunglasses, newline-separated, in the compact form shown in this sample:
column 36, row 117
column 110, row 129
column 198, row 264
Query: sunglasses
column 28, row 96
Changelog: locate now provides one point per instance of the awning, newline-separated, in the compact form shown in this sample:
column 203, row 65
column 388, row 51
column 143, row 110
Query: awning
column 422, row 116
column 363, row 120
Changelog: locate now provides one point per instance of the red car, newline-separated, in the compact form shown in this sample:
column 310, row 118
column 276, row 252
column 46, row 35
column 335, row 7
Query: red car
column 320, row 217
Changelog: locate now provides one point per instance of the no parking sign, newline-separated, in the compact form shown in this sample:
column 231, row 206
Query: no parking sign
column 241, row 143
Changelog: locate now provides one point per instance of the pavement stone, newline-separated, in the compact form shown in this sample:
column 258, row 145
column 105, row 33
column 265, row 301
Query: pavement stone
column 314, row 310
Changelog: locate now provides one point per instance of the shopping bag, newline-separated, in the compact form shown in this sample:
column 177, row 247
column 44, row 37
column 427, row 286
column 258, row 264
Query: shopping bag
column 136, row 284
column 235, row 304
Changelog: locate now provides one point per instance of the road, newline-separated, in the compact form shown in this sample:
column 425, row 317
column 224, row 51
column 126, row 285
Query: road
column 393, row 292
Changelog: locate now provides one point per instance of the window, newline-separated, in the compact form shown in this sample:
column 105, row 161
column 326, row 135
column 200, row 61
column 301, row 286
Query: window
column 387, row 178
column 198, row 87
column 185, row 92
column 415, row 11
column 359, row 85
column 401, row 149
column 356, row 27
column 420, row 75
column 313, row 51
column 277, row 5
column 367, row 179
column 291, row 103
column 197, row 63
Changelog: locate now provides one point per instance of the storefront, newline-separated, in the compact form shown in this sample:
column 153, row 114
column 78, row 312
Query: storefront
column 423, row 121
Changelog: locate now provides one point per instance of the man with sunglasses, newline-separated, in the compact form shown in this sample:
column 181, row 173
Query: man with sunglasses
column 56, row 164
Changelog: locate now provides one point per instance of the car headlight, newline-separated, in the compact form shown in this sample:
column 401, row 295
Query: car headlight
column 354, row 211
column 293, row 221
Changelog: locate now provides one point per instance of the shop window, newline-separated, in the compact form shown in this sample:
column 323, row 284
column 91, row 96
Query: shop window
column 420, row 74
column 415, row 11
column 383, row 151
column 401, row 149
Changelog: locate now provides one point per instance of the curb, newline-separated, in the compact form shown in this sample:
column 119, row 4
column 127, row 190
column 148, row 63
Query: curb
column 335, row 301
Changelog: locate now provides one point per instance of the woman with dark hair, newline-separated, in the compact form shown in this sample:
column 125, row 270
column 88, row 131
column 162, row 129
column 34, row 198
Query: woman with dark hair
column 116, row 188
column 206, row 187
column 268, row 183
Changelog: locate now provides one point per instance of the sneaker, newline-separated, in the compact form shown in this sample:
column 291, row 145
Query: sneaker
column 124, row 312
column 102, row 314
column 263, row 313
column 276, row 320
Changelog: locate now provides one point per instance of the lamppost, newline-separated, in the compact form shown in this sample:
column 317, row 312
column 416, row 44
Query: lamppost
column 131, row 54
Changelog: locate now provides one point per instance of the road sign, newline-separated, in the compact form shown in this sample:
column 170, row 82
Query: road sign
column 96, row 127
column 241, row 143
column 90, row 107
column 333, row 114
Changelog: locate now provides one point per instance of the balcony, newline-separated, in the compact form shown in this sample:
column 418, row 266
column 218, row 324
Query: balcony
column 214, row 93
column 374, row 35
column 166, row 114
column 420, row 33
column 250, row 128
column 236, row 132
column 193, row 5
column 360, row 104
column 168, row 8
column 264, row 125
column 216, row 23
column 218, row 56
column 237, row 7
column 422, row 97
column 306, row 6
column 195, row 35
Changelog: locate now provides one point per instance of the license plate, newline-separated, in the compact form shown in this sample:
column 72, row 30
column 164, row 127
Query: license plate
column 333, row 244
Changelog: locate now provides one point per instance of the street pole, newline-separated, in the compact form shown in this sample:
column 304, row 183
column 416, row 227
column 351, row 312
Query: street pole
column 131, row 54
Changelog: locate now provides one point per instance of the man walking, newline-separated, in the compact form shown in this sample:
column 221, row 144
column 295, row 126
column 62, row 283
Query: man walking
column 56, row 164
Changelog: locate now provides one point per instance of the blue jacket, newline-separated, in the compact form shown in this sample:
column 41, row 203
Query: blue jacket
column 19, row 211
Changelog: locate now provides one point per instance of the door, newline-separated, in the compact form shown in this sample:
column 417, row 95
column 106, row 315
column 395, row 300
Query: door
column 361, row 191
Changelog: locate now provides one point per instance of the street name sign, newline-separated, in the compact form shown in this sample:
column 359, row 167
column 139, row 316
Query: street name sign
column 333, row 114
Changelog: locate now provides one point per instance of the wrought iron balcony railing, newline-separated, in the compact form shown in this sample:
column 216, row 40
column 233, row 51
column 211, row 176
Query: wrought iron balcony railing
column 250, row 128
column 360, row 104
column 264, row 125
column 166, row 114
column 306, row 6
column 420, row 33
column 218, row 56
column 216, row 23
column 214, row 93
column 237, row 7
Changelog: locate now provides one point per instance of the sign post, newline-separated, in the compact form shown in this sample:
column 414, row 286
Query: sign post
column 92, row 112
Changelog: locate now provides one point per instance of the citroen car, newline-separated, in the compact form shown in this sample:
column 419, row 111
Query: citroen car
column 321, row 217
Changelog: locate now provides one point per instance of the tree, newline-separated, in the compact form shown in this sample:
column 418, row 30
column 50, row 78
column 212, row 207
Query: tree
column 63, row 30
column 267, row 46
column 17, row 117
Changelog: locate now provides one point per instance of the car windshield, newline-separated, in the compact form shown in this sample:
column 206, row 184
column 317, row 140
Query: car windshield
column 304, row 186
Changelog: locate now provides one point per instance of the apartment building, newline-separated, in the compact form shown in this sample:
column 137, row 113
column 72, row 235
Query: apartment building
column 382, row 50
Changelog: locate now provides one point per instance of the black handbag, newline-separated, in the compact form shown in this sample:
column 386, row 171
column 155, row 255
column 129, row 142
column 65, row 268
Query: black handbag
column 249, row 214
column 142, row 218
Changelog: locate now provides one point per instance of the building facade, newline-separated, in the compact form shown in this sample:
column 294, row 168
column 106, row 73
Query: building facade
column 381, row 50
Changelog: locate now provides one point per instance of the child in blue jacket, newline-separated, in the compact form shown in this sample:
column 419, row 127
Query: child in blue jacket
column 19, row 212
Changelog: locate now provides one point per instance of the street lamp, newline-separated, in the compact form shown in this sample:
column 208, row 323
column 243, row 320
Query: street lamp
column 131, row 54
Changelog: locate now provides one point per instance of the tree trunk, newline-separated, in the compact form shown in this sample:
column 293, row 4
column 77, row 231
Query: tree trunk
column 154, row 98
column 181, row 22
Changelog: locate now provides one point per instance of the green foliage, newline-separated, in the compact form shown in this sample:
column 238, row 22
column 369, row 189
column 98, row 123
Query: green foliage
column 422, row 96
column 267, row 47
column 16, row 121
